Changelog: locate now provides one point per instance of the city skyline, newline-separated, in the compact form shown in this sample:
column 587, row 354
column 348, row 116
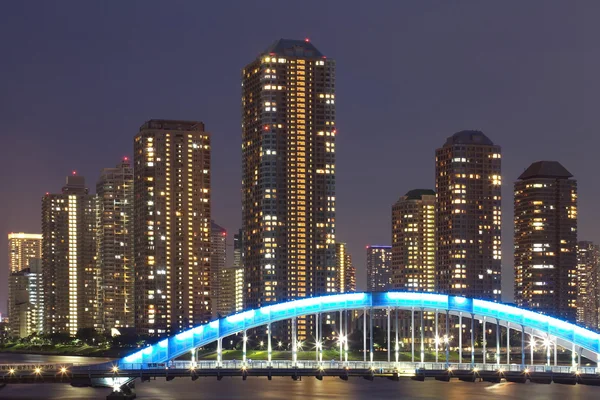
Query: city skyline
column 376, row 229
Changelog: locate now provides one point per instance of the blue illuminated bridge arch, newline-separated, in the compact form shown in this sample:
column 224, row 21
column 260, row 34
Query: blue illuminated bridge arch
column 569, row 336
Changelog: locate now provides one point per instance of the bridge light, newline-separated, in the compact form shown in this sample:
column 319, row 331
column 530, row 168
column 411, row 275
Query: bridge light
column 501, row 370
column 321, row 368
column 318, row 344
column 262, row 343
column 244, row 368
column 300, row 344
column 547, row 342
column 526, row 370
column 449, row 369
column 475, row 369
column 279, row 344
column 115, row 369
column 37, row 370
column 63, row 370
column 11, row 371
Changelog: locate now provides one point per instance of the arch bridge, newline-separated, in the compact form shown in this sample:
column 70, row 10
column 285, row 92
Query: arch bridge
column 551, row 331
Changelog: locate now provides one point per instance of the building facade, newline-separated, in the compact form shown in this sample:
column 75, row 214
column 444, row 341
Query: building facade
column 26, row 300
column 288, row 175
column 114, row 190
column 379, row 268
column 588, row 287
column 231, row 291
column 171, row 224
column 546, row 240
column 69, row 270
column 468, row 216
column 218, row 262
column 413, row 241
column 346, row 273
column 22, row 247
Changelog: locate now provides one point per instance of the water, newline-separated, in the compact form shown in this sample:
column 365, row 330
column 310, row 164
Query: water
column 331, row 388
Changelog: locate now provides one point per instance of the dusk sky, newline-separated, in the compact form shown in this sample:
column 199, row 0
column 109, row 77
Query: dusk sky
column 78, row 78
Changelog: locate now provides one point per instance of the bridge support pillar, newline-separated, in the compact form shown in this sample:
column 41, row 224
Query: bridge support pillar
column 244, row 344
column 412, row 333
column 219, row 352
column 548, row 348
column 269, row 345
column 447, row 339
column 365, row 335
column 341, row 336
column 422, row 337
column 294, row 343
column 508, row 343
column 437, row 337
column 460, row 335
column 484, row 353
column 498, row 342
column 579, row 358
column 320, row 340
column 317, row 339
column 523, row 346
column 389, row 333
column 472, row 340
column 396, row 344
column 371, row 335
column 555, row 352
column 531, row 346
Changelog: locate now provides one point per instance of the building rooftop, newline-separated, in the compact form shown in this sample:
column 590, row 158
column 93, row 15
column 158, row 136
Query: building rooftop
column 294, row 48
column 417, row 194
column 469, row 137
column 173, row 125
column 546, row 169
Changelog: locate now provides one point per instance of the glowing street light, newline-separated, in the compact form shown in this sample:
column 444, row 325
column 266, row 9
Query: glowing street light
column 115, row 369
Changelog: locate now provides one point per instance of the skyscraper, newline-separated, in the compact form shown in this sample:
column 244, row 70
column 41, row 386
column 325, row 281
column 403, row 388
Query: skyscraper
column 218, row 262
column 237, row 249
column 588, row 288
column 413, row 241
column 468, row 217
column 379, row 268
column 69, row 270
column 288, row 174
column 25, row 300
column 231, row 291
column 115, row 245
column 21, row 248
column 546, row 240
column 346, row 273
column 171, row 226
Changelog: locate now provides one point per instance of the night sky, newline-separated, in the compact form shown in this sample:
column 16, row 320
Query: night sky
column 78, row 78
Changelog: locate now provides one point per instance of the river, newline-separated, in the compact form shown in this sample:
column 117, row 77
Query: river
column 285, row 388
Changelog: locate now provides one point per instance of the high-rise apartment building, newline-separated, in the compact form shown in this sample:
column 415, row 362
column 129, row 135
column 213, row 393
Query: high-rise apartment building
column 69, row 270
column 114, row 190
column 21, row 248
column 237, row 249
column 546, row 240
column 413, row 241
column 468, row 218
column 231, row 291
column 379, row 268
column 346, row 273
column 25, row 300
column 218, row 262
column 588, row 287
column 171, row 218
column 288, row 177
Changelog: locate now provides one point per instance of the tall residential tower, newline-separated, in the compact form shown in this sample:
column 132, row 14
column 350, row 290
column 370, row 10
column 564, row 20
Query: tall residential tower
column 379, row 268
column 115, row 245
column 171, row 220
column 413, row 241
column 288, row 174
column 69, row 271
column 588, row 286
column 546, row 240
column 468, row 218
